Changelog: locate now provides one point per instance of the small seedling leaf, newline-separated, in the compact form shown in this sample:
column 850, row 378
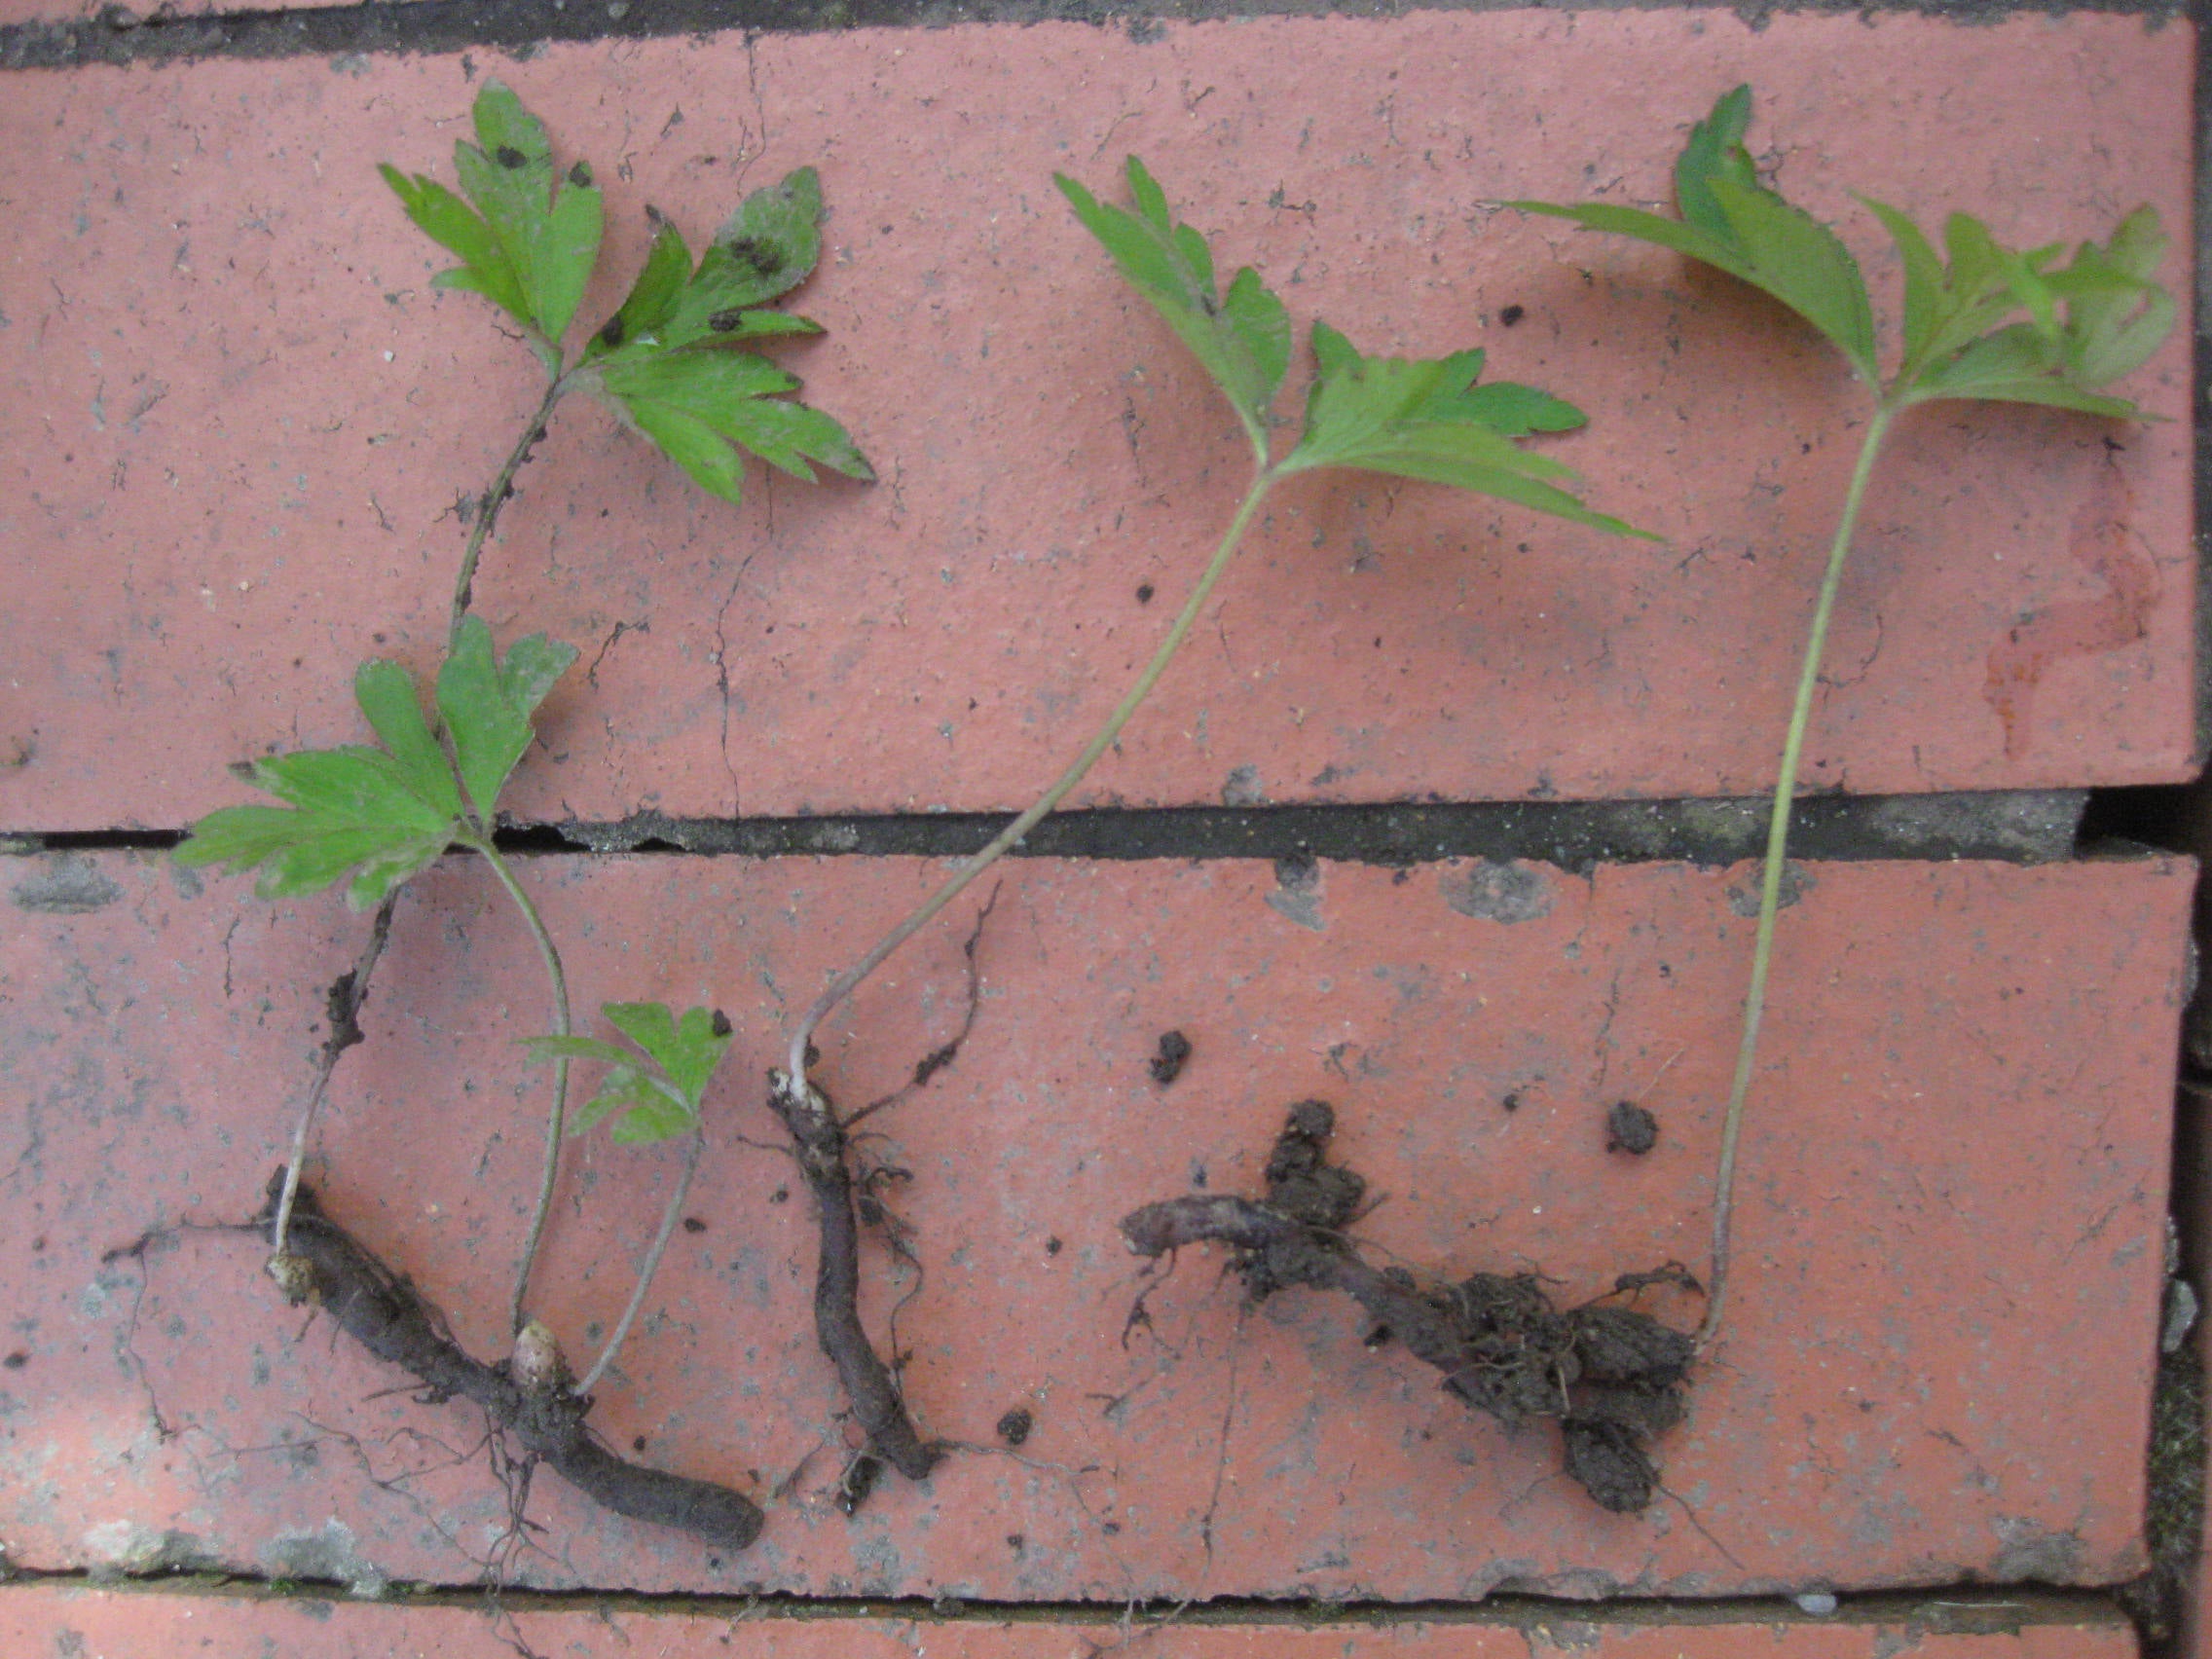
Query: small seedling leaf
column 1243, row 341
column 654, row 1118
column 659, row 1091
column 1426, row 419
column 487, row 704
column 623, row 1089
column 376, row 815
column 687, row 1049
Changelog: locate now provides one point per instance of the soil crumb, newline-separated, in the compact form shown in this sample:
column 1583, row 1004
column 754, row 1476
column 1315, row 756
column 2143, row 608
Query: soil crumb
column 1014, row 1426
column 1166, row 1065
column 1630, row 1128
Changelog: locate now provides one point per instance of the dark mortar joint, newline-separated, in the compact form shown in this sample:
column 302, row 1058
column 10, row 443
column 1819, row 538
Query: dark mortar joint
column 2017, row 827
column 118, row 34
column 2005, row 826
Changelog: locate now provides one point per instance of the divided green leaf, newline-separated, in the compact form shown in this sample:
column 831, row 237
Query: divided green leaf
column 382, row 813
column 664, row 358
column 531, row 238
column 657, row 1091
column 1428, row 419
column 1735, row 224
column 1242, row 339
column 487, row 704
column 376, row 814
column 2086, row 324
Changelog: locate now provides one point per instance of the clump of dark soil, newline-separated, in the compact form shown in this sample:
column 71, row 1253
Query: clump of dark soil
column 1612, row 1377
column 1630, row 1128
column 528, row 1398
column 1166, row 1065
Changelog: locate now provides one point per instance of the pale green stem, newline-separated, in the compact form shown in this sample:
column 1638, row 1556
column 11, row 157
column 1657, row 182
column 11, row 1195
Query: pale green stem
column 1777, row 855
column 651, row 1266
column 1011, row 837
column 556, row 1120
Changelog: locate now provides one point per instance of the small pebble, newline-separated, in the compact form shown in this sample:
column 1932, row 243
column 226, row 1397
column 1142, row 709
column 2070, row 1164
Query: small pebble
column 1818, row 1602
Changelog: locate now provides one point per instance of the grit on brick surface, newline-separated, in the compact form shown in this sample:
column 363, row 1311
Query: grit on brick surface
column 1937, row 1367
column 41, row 1621
column 238, row 423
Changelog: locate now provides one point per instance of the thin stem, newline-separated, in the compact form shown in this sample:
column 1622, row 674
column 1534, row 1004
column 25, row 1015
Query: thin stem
column 1011, row 837
column 1777, row 853
column 556, row 1120
column 667, row 1220
column 488, row 510
column 343, row 1007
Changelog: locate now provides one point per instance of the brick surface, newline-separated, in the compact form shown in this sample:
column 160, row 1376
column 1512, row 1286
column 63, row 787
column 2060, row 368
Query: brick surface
column 1937, row 1370
column 40, row 1621
column 236, row 422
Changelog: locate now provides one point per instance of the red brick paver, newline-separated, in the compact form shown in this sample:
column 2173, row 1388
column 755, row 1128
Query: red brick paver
column 40, row 1621
column 1938, row 1366
column 237, row 421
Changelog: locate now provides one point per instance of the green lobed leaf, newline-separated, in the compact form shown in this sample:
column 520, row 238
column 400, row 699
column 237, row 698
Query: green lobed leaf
column 2118, row 316
column 461, row 230
column 1242, row 342
column 652, row 297
column 1802, row 263
column 696, row 404
column 547, row 226
column 664, row 358
column 2088, row 322
column 1925, row 287
column 387, row 696
column 687, row 1049
column 1735, row 224
column 712, row 463
column 654, row 1118
column 623, row 1089
column 1425, row 419
column 376, row 815
column 772, row 243
column 487, row 704
column 658, row 1095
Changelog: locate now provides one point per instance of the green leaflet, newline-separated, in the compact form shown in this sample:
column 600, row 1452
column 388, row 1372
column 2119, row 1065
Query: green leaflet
column 1428, row 419
column 1735, row 224
column 2086, row 323
column 1242, row 339
column 381, row 814
column 530, row 240
column 664, row 359
column 487, row 704
column 658, row 1093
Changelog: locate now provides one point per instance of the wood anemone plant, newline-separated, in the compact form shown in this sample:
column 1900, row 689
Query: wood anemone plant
column 1429, row 419
column 1982, row 323
column 674, row 363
